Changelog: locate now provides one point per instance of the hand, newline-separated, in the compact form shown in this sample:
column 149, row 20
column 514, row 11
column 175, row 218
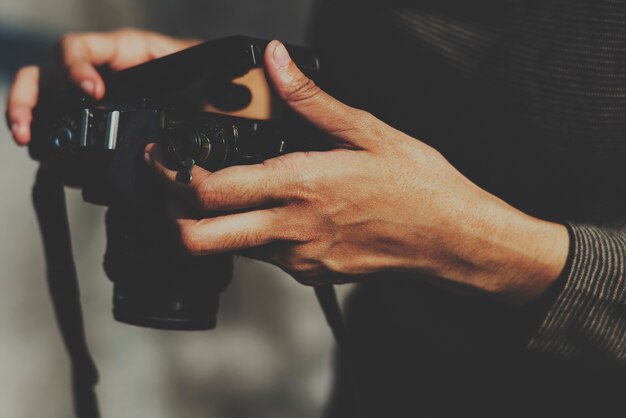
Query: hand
column 80, row 53
column 380, row 201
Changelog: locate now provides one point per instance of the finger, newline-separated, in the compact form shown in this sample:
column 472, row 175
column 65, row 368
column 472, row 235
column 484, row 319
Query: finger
column 237, row 187
column 319, row 108
column 81, row 53
column 229, row 232
column 22, row 101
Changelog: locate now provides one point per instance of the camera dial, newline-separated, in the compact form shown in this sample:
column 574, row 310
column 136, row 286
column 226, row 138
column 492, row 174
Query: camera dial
column 64, row 133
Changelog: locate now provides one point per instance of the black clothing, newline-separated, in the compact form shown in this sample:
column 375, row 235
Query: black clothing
column 528, row 100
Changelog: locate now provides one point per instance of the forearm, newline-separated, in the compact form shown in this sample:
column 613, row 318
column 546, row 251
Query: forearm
column 509, row 253
column 498, row 249
column 379, row 201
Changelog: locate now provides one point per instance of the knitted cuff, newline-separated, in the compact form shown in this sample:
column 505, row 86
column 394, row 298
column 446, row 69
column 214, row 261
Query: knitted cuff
column 588, row 318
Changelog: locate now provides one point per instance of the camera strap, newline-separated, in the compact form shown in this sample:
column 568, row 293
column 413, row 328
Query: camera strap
column 327, row 299
column 51, row 210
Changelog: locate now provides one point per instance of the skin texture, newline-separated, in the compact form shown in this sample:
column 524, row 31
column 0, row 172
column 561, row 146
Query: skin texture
column 380, row 201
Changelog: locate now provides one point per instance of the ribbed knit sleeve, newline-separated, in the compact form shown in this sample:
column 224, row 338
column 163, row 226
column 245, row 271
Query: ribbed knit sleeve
column 588, row 319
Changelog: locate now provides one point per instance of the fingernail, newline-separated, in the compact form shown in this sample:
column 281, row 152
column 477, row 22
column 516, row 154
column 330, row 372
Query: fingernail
column 281, row 56
column 88, row 86
column 15, row 129
column 147, row 158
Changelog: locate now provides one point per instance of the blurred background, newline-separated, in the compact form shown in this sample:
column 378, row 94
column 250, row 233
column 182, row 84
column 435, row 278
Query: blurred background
column 271, row 354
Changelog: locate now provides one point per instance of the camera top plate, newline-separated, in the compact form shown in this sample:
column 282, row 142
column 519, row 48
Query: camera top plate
column 79, row 135
column 217, row 61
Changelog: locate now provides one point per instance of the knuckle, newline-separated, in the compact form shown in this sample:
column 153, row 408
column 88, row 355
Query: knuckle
column 334, row 266
column 206, row 195
column 302, row 261
column 338, row 265
column 280, row 170
column 68, row 46
column 302, row 89
column 365, row 119
column 290, row 171
column 281, row 164
column 367, row 123
column 356, row 122
column 293, row 261
column 66, row 41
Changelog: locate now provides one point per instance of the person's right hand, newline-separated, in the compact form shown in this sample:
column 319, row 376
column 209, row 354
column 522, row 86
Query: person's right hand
column 80, row 53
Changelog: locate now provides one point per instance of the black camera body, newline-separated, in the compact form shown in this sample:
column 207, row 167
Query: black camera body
column 98, row 147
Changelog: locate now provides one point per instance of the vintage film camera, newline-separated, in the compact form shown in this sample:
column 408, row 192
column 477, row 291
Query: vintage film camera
column 98, row 147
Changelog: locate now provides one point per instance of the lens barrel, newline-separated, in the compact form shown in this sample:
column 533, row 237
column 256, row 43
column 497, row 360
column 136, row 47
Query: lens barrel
column 156, row 284
column 146, row 307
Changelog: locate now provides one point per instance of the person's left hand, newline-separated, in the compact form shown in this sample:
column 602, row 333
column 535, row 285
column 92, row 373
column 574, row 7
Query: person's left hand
column 380, row 201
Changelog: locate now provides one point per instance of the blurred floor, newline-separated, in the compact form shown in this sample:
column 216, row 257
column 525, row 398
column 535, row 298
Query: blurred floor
column 271, row 353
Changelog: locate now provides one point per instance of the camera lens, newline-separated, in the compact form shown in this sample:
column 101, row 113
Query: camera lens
column 156, row 285
column 147, row 305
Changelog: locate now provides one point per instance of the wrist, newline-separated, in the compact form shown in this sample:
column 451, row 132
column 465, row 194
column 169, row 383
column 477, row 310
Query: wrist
column 515, row 255
column 536, row 260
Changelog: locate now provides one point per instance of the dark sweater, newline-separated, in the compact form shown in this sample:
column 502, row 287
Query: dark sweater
column 527, row 99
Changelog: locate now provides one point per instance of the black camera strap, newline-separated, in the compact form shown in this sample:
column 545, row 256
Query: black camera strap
column 327, row 298
column 50, row 207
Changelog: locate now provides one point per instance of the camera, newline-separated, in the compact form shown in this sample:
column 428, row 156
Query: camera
column 98, row 147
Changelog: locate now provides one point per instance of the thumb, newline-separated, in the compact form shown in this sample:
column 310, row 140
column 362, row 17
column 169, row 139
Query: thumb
column 347, row 124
